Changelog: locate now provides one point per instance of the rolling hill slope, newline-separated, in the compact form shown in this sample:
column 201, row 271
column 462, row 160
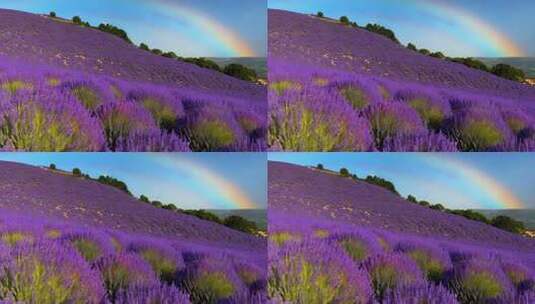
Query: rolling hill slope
column 39, row 39
column 302, row 191
column 40, row 192
column 321, row 42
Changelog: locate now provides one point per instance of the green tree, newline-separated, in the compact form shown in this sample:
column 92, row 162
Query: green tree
column 381, row 182
column 144, row 47
column 319, row 167
column 508, row 72
column 320, row 14
column 381, row 30
column 170, row 207
column 112, row 29
column 111, row 181
column 144, row 199
column 171, row 55
column 241, row 72
column 424, row 203
column 506, row 223
column 344, row 20
column 157, row 204
column 472, row 215
column 76, row 172
column 412, row 199
column 412, row 47
column 157, row 51
column 438, row 55
column 424, row 52
column 203, row 63
column 239, row 223
column 52, row 14
column 344, row 172
column 52, row 166
column 439, row 207
column 77, row 20
column 204, row 215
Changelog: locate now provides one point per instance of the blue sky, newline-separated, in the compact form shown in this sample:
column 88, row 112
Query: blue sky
column 169, row 24
column 439, row 177
column 184, row 179
column 427, row 24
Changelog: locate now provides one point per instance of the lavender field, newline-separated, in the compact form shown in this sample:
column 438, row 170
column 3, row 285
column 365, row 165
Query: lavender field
column 336, row 240
column 340, row 88
column 64, row 239
column 64, row 87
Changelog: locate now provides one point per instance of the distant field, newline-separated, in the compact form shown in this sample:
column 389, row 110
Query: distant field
column 527, row 216
column 259, row 216
column 259, row 64
column 526, row 64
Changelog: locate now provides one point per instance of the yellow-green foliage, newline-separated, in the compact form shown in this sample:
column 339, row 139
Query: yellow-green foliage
column 53, row 82
column 14, row 86
column 280, row 238
column 355, row 97
column 116, row 244
column 88, row 97
column 282, row 86
column 36, row 282
column 432, row 115
column 162, row 266
column 431, row 267
column 35, row 130
column 479, row 135
column 116, row 92
column 163, row 114
column 355, row 249
column 300, row 129
column 12, row 238
column 515, row 124
column 303, row 282
column 383, row 243
column 249, row 277
column 321, row 233
column 248, row 124
column 482, row 285
column 214, row 285
column 384, row 277
column 384, row 93
column 53, row 234
column 88, row 249
column 212, row 135
column 321, row 82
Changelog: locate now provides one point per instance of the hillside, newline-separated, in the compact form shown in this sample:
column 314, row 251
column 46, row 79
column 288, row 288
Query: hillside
column 321, row 42
column 302, row 191
column 39, row 192
column 39, row 39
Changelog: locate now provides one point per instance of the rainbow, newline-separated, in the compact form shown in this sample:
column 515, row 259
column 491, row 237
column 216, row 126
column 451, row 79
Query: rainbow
column 223, row 35
column 229, row 192
column 498, row 195
column 486, row 35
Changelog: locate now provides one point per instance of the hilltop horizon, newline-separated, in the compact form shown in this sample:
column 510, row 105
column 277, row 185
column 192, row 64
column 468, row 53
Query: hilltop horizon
column 189, row 28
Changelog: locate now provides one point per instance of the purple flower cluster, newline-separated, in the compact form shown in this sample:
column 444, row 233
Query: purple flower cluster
column 323, row 227
column 403, row 100
column 49, row 109
column 46, row 261
column 315, row 109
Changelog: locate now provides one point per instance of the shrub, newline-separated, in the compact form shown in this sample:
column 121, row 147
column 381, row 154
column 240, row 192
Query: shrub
column 76, row 172
column 111, row 29
column 77, row 20
column 111, row 181
column 239, row 223
column 144, row 47
column 344, row 20
column 508, row 72
column 381, row 182
column 320, row 15
column 344, row 172
column 412, row 47
column 381, row 30
column 241, row 72
column 319, row 167
column 52, row 167
column 52, row 14
column 506, row 223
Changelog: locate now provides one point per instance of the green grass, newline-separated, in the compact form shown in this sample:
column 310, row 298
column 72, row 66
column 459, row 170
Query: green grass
column 162, row 266
column 88, row 249
column 355, row 97
column 88, row 97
